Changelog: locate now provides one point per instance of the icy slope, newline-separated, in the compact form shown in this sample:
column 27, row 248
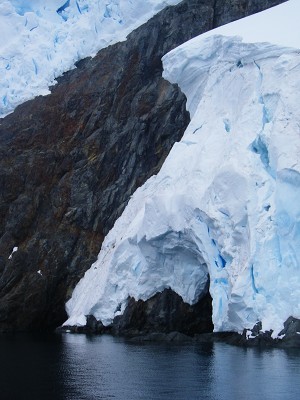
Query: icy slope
column 226, row 201
column 247, row 124
column 42, row 39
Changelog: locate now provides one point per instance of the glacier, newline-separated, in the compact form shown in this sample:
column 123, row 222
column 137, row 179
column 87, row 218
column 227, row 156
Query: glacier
column 42, row 40
column 224, row 209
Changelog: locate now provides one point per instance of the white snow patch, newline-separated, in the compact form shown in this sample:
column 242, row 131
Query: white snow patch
column 249, row 335
column 278, row 25
column 78, row 320
column 13, row 251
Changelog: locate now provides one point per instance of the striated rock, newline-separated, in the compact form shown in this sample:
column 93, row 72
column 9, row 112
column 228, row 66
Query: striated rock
column 70, row 161
column 227, row 11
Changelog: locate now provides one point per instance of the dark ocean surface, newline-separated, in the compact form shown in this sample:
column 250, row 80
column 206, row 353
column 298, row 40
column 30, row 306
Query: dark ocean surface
column 69, row 366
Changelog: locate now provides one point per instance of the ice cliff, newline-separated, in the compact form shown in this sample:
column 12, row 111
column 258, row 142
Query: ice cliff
column 225, row 207
column 70, row 160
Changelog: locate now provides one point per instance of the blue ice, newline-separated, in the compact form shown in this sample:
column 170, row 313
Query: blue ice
column 107, row 13
column 35, row 66
column 21, row 7
column 61, row 10
column 253, row 280
column 220, row 262
column 223, row 281
column 227, row 125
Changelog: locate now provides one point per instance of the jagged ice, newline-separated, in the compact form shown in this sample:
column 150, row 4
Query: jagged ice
column 225, row 206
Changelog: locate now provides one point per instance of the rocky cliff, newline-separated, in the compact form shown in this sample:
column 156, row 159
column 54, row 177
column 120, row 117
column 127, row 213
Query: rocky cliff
column 69, row 161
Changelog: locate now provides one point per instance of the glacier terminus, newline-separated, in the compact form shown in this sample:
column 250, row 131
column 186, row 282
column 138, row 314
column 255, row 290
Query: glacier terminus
column 224, row 209
column 179, row 154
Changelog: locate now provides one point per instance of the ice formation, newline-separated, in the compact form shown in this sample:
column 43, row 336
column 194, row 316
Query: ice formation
column 42, row 39
column 225, row 205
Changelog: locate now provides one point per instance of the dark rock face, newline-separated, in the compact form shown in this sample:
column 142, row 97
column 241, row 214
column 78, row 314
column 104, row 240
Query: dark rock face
column 153, row 319
column 92, row 327
column 289, row 337
column 227, row 11
column 70, row 161
column 165, row 312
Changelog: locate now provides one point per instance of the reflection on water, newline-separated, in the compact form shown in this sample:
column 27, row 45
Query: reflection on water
column 101, row 367
column 126, row 371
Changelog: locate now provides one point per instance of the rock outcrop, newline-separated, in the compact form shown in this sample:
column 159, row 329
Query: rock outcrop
column 165, row 312
column 69, row 161
column 289, row 337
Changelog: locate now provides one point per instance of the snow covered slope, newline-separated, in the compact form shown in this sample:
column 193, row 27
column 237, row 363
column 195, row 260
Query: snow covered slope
column 42, row 39
column 278, row 25
column 225, row 205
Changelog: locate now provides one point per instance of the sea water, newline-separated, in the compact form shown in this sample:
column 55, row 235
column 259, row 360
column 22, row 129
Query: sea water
column 81, row 367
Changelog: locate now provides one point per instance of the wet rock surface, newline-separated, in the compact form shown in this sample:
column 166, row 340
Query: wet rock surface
column 289, row 337
column 69, row 161
column 153, row 319
column 165, row 312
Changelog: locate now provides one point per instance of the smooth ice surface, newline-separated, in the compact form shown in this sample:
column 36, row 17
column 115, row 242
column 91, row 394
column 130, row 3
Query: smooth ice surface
column 226, row 201
column 278, row 25
column 42, row 39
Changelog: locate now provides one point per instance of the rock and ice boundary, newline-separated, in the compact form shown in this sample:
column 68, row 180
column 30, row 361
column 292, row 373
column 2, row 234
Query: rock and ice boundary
column 225, row 205
column 43, row 39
